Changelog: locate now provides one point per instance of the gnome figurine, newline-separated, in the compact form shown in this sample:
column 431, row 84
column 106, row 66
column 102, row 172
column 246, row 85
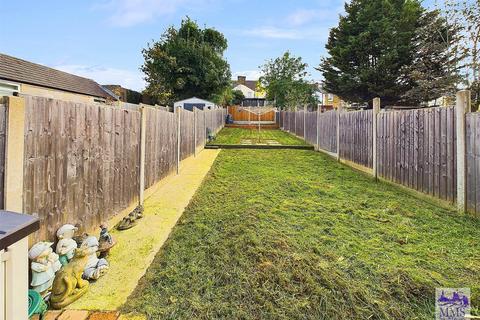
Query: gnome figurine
column 106, row 241
column 95, row 267
column 44, row 265
column 66, row 245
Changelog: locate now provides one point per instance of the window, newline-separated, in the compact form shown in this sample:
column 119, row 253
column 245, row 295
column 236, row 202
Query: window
column 330, row 97
column 99, row 100
column 8, row 88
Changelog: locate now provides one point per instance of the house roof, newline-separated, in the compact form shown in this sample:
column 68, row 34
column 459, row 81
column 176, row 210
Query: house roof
column 195, row 99
column 251, row 84
column 23, row 71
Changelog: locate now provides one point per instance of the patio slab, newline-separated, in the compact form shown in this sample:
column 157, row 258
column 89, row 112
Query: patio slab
column 137, row 247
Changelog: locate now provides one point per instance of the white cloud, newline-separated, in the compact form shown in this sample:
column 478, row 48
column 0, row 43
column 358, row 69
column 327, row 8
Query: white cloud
column 269, row 32
column 274, row 33
column 301, row 17
column 250, row 74
column 103, row 75
column 125, row 13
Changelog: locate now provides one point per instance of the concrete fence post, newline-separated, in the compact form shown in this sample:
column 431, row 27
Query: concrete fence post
column 178, row 111
column 339, row 111
column 376, row 110
column 463, row 106
column 16, row 302
column 143, row 136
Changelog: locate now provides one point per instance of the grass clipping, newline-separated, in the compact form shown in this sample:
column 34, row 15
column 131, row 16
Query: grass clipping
column 295, row 235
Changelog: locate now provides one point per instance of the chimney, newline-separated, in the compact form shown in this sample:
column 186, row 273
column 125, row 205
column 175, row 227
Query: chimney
column 242, row 80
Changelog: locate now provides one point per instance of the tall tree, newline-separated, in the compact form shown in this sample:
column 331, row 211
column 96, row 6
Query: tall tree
column 433, row 72
column 284, row 80
column 465, row 15
column 186, row 62
column 369, row 48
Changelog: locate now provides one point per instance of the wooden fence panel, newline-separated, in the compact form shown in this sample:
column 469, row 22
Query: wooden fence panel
column 247, row 114
column 356, row 137
column 186, row 134
column 311, row 127
column 473, row 162
column 200, row 129
column 81, row 162
column 3, row 137
column 293, row 120
column 299, row 115
column 327, row 131
column 416, row 148
column 160, row 145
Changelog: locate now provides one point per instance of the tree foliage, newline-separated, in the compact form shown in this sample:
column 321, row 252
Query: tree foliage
column 284, row 81
column 369, row 48
column 238, row 97
column 465, row 15
column 433, row 72
column 186, row 62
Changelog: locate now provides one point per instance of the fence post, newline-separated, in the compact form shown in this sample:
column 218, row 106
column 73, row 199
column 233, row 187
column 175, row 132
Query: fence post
column 463, row 106
column 376, row 110
column 16, row 286
column 143, row 135
column 339, row 110
column 194, row 131
column 178, row 110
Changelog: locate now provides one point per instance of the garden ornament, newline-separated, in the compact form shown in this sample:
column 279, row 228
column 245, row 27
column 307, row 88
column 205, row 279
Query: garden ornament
column 106, row 241
column 130, row 220
column 44, row 265
column 95, row 267
column 36, row 305
column 210, row 135
column 68, row 285
column 66, row 245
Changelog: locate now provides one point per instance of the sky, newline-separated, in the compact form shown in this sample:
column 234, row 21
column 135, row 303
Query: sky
column 103, row 39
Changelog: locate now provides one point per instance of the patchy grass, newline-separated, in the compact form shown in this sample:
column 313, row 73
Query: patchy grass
column 236, row 135
column 290, row 234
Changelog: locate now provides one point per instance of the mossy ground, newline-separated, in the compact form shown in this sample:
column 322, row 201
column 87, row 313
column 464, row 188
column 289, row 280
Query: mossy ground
column 290, row 234
column 236, row 135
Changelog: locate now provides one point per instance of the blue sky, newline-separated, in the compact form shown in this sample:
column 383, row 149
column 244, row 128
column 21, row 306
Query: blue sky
column 103, row 39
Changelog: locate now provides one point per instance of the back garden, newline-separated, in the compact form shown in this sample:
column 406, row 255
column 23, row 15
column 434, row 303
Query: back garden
column 293, row 234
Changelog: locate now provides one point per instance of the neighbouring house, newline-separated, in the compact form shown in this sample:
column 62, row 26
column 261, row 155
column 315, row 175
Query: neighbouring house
column 194, row 102
column 328, row 101
column 251, row 89
column 19, row 76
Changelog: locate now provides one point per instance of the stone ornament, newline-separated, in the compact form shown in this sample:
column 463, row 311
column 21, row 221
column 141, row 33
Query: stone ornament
column 131, row 219
column 66, row 246
column 105, row 240
column 43, row 266
column 95, row 267
column 68, row 285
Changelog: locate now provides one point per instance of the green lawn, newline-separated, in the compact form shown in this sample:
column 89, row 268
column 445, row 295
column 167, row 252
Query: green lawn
column 236, row 135
column 289, row 234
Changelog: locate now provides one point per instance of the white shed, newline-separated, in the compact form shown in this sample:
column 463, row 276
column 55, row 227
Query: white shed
column 189, row 104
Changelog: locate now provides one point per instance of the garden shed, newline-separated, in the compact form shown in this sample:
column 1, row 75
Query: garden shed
column 194, row 102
